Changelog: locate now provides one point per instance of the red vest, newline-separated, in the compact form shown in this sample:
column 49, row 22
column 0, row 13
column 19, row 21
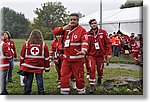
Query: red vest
column 12, row 47
column 34, row 58
column 5, row 55
column 56, row 48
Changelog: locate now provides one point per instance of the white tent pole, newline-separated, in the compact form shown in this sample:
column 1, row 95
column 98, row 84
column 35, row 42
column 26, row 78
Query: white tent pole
column 100, row 22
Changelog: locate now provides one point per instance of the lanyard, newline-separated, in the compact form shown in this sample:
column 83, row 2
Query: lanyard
column 95, row 35
column 70, row 31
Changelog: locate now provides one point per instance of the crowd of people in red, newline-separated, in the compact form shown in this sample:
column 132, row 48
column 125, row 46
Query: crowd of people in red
column 124, row 44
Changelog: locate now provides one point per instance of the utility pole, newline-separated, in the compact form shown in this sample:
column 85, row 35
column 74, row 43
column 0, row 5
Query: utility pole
column 100, row 22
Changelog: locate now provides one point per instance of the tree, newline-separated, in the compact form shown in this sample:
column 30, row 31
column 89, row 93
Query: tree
column 14, row 22
column 51, row 15
column 133, row 3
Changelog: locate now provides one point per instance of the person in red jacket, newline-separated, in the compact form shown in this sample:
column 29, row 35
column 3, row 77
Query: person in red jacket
column 117, row 45
column 135, row 50
column 13, row 51
column 34, row 58
column 56, row 52
column 5, row 58
column 99, row 46
column 131, row 39
column 75, row 48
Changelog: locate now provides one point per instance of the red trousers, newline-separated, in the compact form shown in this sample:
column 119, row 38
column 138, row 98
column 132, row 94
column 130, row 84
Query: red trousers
column 95, row 63
column 58, row 63
column 87, row 66
column 76, row 69
column 135, row 56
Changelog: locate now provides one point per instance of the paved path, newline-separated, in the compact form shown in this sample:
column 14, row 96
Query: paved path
column 114, row 65
column 126, row 66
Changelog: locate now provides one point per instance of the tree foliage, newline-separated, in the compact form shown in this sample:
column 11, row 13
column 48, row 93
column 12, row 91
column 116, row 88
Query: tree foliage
column 14, row 22
column 130, row 4
column 51, row 15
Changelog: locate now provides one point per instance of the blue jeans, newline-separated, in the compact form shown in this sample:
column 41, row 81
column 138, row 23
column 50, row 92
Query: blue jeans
column 3, row 80
column 116, row 50
column 28, row 83
column 11, row 66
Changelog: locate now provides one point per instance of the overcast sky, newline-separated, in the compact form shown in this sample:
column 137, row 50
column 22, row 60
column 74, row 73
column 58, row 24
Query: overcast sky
column 86, row 7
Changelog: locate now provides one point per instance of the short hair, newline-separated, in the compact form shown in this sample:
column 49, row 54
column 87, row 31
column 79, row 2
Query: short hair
column 74, row 14
column 92, row 21
column 7, row 32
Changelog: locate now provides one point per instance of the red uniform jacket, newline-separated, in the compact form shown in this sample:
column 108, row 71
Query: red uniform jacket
column 131, row 41
column 76, row 40
column 34, row 58
column 56, row 50
column 103, row 42
column 5, row 55
column 12, row 47
column 136, row 46
column 117, row 41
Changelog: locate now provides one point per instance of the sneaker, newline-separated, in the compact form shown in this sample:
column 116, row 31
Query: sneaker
column 22, row 84
column 137, row 63
column 107, row 64
column 74, row 85
column 88, row 76
column 11, row 81
column 4, row 92
column 58, row 86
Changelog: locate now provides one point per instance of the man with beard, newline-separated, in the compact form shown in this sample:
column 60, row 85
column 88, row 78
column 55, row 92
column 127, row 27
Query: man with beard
column 99, row 46
column 75, row 48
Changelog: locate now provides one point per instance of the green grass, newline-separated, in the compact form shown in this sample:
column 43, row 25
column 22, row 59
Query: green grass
column 50, row 82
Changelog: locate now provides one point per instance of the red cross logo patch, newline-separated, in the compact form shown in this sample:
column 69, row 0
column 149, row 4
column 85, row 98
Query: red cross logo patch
column 34, row 51
column 75, row 36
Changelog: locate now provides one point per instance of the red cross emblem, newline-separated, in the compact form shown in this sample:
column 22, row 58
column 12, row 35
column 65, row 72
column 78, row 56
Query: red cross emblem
column 34, row 50
column 75, row 36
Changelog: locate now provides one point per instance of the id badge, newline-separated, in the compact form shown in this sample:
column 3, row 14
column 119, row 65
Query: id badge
column 67, row 43
column 97, row 46
column 56, row 55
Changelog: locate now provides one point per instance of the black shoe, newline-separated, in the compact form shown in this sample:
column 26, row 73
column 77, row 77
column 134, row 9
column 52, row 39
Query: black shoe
column 92, row 90
column 99, row 82
column 138, row 63
column 41, row 93
column 4, row 92
column 11, row 81
column 107, row 64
